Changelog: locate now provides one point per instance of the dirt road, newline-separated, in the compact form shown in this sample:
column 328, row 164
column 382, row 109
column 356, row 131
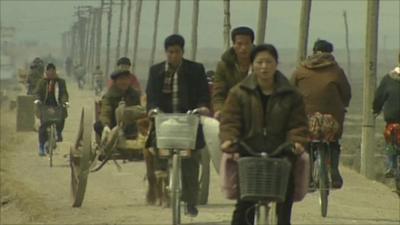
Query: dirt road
column 31, row 192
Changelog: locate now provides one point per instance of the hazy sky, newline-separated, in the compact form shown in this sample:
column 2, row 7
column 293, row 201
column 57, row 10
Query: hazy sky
column 44, row 21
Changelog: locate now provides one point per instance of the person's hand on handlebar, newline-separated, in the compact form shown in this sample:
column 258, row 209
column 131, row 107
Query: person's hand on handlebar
column 229, row 147
column 153, row 112
column 298, row 148
column 37, row 102
column 204, row 111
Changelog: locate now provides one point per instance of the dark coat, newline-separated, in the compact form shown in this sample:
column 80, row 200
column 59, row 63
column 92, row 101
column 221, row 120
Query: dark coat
column 110, row 102
column 193, row 88
column 387, row 96
column 193, row 92
column 284, row 118
column 61, row 97
column 324, row 86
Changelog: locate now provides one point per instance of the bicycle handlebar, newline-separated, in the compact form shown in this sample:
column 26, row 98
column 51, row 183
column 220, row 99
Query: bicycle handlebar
column 286, row 147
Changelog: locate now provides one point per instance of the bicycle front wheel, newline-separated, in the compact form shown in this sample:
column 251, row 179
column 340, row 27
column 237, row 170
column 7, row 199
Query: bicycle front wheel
column 323, row 182
column 51, row 143
column 175, row 190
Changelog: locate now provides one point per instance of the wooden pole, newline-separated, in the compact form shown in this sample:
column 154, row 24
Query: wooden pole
column 368, row 128
column 92, row 39
column 262, row 21
column 346, row 27
column 155, row 32
column 137, row 30
column 304, row 29
column 195, row 27
column 121, row 17
column 177, row 15
column 99, row 34
column 108, row 38
column 227, row 24
column 128, row 27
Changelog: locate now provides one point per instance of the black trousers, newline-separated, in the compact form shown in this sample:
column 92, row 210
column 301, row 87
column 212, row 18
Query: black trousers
column 245, row 210
column 43, row 130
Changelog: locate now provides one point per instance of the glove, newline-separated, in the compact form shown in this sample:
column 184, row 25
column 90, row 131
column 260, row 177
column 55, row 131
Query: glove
column 104, row 134
column 37, row 101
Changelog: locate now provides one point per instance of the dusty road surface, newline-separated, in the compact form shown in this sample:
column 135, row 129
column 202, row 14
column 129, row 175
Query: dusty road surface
column 33, row 193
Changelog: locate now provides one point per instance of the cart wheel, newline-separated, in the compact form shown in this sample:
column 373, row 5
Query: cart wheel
column 80, row 164
column 204, row 177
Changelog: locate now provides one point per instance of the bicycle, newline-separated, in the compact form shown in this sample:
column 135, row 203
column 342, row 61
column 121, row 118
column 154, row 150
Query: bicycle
column 176, row 137
column 263, row 178
column 51, row 115
column 320, row 159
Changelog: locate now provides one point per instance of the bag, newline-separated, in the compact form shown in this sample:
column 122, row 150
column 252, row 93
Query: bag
column 229, row 176
column 301, row 174
column 322, row 127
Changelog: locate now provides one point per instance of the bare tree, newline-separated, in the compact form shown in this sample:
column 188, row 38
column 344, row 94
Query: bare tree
column 227, row 24
column 137, row 29
column 121, row 16
column 262, row 21
column 304, row 27
column 155, row 32
column 177, row 15
column 128, row 27
column 195, row 27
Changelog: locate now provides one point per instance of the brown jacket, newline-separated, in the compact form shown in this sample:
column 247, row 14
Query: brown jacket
column 226, row 76
column 284, row 119
column 324, row 86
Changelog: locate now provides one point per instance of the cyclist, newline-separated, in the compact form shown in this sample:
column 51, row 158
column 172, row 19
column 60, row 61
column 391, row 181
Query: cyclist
column 326, row 90
column 387, row 97
column 35, row 75
column 176, row 86
column 51, row 91
column 98, row 79
column 124, row 63
column 265, row 111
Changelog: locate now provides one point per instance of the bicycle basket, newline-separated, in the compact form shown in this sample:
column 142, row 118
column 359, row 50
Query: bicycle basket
column 263, row 178
column 176, row 131
column 51, row 114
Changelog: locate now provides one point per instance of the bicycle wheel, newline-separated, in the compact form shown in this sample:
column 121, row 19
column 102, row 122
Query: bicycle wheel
column 80, row 165
column 51, row 143
column 323, row 181
column 175, row 190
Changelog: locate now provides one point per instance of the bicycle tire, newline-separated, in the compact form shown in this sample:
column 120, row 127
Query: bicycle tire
column 175, row 190
column 52, row 143
column 323, row 182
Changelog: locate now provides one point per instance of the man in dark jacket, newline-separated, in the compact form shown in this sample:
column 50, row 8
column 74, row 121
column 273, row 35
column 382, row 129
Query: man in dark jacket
column 51, row 91
column 35, row 75
column 233, row 67
column 120, row 90
column 387, row 97
column 176, row 86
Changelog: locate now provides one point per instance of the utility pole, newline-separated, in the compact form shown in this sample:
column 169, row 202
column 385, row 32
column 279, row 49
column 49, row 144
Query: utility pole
column 227, row 24
column 304, row 28
column 368, row 127
column 262, row 21
column 137, row 30
column 195, row 27
column 128, row 28
column 99, row 34
column 109, row 17
column 346, row 27
column 155, row 32
column 177, row 15
column 121, row 16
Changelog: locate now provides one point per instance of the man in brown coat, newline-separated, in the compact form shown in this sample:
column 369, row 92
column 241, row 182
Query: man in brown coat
column 233, row 67
column 326, row 90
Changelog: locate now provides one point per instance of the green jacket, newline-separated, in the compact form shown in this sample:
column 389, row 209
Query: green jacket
column 60, row 89
column 227, row 75
column 284, row 118
column 61, row 93
column 111, row 100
